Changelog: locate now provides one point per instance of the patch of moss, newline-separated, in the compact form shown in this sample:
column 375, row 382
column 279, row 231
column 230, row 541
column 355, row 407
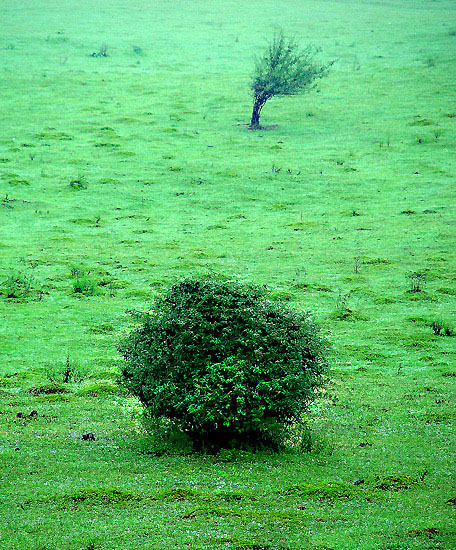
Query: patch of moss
column 101, row 495
column 213, row 511
column 216, row 226
column 103, row 328
column 107, row 145
column 347, row 314
column 233, row 496
column 447, row 290
column 421, row 122
column 428, row 532
column 418, row 320
column 327, row 490
column 82, row 221
column 421, row 296
column 53, row 398
column 178, row 494
column 437, row 417
column 15, row 179
column 53, row 134
column 111, row 181
column 385, row 300
column 139, row 293
column 396, row 482
column 105, row 374
column 283, row 295
column 320, row 288
column 376, row 261
column 449, row 373
column 47, row 389
column 101, row 388
column 113, row 284
column 301, row 286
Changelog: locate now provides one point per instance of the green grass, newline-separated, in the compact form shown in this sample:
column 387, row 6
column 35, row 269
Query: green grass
column 121, row 173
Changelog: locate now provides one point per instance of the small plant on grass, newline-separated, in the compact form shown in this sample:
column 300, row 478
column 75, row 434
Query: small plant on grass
column 66, row 373
column 101, row 52
column 223, row 363
column 84, row 285
column 78, row 183
column 343, row 312
column 417, row 281
column 441, row 328
column 357, row 264
column 19, row 285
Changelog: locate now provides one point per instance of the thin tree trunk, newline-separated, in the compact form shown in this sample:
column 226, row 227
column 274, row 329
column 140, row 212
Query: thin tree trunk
column 256, row 112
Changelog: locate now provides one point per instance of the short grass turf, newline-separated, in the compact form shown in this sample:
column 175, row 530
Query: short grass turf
column 120, row 173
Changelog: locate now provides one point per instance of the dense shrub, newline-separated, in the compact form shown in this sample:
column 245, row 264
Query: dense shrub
column 222, row 362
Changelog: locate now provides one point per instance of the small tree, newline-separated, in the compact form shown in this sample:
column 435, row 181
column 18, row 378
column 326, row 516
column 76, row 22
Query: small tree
column 223, row 363
column 283, row 69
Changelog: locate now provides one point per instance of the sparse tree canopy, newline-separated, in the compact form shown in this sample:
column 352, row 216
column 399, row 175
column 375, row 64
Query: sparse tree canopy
column 284, row 69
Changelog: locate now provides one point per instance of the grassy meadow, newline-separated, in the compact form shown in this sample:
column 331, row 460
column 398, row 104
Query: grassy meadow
column 126, row 163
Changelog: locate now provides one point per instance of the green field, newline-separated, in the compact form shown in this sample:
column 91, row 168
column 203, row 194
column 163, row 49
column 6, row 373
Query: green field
column 120, row 174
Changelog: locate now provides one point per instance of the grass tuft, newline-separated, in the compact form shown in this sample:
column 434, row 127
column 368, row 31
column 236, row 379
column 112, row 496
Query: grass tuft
column 100, row 496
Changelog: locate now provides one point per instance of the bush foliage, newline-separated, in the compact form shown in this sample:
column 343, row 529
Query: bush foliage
column 221, row 361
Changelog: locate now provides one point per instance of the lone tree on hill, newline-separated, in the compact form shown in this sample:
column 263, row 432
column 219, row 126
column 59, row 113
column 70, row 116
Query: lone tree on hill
column 284, row 69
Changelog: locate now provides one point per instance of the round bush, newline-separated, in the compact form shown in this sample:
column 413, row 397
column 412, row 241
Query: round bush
column 222, row 361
